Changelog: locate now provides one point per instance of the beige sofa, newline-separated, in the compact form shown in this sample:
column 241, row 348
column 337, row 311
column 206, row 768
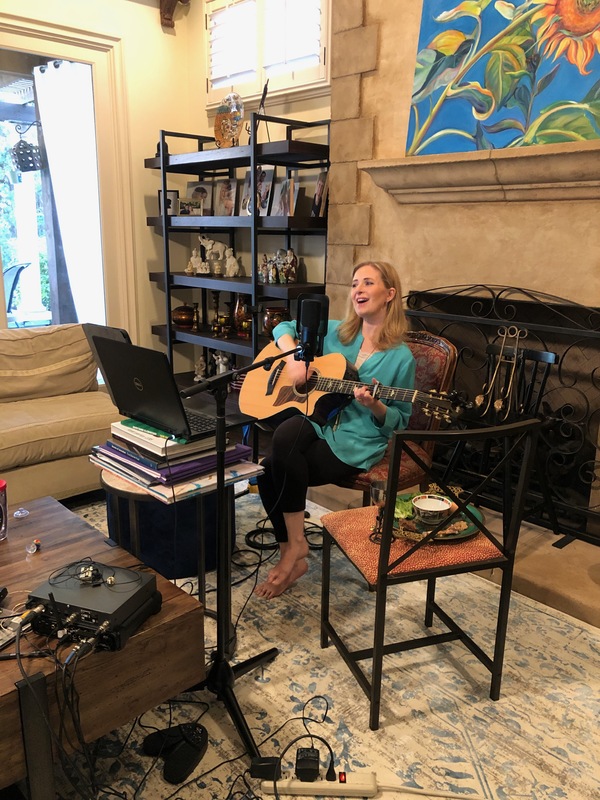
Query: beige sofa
column 51, row 412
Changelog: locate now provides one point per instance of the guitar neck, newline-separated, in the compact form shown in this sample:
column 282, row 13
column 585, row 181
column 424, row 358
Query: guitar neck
column 383, row 392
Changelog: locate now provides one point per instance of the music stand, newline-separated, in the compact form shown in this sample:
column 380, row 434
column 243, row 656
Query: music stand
column 221, row 676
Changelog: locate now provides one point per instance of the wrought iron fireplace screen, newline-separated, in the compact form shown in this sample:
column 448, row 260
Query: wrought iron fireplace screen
column 474, row 318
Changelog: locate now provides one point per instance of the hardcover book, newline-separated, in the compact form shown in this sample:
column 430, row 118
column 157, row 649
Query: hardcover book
column 156, row 441
column 171, row 473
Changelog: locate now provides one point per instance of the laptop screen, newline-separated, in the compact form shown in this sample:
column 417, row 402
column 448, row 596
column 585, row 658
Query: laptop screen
column 142, row 385
column 118, row 334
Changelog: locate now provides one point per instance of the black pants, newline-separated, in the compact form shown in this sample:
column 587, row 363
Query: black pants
column 298, row 459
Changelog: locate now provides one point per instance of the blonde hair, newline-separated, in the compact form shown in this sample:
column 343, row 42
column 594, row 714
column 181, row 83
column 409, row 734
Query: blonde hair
column 394, row 326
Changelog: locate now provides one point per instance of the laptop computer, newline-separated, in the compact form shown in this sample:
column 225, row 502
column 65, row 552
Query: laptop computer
column 142, row 386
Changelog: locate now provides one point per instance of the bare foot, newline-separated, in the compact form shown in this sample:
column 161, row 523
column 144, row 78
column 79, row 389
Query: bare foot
column 290, row 554
column 269, row 589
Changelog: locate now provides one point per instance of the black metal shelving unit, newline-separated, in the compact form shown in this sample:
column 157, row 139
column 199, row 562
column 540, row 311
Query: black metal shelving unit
column 295, row 151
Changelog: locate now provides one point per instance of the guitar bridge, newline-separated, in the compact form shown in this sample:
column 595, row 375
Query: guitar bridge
column 274, row 377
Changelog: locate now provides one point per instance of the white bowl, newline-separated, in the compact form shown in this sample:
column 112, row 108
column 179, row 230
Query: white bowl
column 431, row 509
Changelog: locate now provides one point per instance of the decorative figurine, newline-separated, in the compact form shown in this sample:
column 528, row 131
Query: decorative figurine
column 221, row 360
column 200, row 369
column 212, row 248
column 263, row 270
column 290, row 267
column 194, row 264
column 272, row 273
column 280, row 264
column 232, row 267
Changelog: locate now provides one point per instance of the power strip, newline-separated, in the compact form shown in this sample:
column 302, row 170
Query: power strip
column 347, row 784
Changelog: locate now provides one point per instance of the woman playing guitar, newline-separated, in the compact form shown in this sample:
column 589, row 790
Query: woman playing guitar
column 305, row 453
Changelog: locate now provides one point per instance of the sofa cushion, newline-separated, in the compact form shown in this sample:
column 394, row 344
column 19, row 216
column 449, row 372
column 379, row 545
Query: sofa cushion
column 34, row 431
column 45, row 362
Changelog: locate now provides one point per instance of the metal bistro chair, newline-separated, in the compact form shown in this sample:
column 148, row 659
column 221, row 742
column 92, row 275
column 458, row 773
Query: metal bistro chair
column 435, row 359
column 416, row 556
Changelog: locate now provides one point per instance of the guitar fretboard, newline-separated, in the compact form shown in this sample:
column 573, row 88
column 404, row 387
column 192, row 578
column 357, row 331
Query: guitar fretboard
column 347, row 387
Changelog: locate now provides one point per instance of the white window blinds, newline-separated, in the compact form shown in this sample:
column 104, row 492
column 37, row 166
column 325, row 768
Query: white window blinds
column 252, row 41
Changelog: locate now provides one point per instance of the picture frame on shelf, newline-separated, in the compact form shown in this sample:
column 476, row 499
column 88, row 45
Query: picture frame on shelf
column 172, row 202
column 319, row 193
column 225, row 194
column 202, row 193
column 191, row 207
column 264, row 188
column 245, row 205
column 294, row 190
column 282, row 197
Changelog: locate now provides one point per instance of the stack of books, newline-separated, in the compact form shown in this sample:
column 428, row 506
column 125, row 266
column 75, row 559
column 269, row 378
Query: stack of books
column 167, row 468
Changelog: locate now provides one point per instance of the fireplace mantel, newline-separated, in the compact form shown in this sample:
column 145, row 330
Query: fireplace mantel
column 524, row 174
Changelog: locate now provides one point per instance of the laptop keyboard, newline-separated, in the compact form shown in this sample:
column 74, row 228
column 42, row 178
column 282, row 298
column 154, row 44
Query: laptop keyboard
column 200, row 423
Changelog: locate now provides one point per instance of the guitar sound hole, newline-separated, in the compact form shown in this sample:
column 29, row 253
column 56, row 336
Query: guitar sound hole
column 306, row 387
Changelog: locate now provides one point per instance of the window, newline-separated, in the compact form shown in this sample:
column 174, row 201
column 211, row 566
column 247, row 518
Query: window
column 251, row 41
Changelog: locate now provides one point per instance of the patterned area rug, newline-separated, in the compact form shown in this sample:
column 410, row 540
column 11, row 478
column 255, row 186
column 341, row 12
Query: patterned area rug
column 439, row 729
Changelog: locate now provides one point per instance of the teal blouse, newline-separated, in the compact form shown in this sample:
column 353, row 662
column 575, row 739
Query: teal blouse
column 355, row 435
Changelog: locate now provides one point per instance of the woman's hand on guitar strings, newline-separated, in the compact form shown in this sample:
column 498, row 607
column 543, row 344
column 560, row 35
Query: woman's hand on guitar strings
column 366, row 396
column 297, row 371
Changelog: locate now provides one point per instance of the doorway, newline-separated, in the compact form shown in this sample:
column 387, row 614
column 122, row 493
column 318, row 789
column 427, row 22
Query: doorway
column 49, row 192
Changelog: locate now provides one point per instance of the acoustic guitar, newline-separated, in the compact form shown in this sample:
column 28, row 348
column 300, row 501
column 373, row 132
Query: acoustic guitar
column 267, row 392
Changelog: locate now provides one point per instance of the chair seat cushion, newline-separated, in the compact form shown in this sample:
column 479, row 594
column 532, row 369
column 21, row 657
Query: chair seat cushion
column 351, row 529
column 410, row 473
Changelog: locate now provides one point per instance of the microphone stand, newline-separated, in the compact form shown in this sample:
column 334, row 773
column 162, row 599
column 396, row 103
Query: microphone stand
column 221, row 676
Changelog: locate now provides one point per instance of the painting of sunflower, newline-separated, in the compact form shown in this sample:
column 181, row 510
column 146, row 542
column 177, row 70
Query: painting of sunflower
column 505, row 74
column 572, row 28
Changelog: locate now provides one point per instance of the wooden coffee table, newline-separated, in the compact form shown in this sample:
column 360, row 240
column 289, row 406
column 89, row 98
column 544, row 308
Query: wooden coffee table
column 164, row 657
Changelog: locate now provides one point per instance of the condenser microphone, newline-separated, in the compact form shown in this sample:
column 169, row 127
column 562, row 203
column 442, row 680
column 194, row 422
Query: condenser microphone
column 310, row 316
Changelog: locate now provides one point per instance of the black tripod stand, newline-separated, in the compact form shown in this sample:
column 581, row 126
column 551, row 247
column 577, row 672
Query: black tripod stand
column 222, row 675
column 312, row 312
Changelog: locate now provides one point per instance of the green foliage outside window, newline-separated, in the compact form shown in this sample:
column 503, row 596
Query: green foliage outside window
column 8, row 227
